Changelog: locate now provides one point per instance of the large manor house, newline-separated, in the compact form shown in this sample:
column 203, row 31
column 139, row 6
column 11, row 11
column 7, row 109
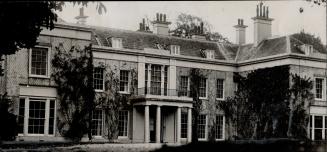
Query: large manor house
column 160, row 64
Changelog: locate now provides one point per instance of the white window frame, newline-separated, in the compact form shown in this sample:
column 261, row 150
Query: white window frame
column 103, row 81
column 127, row 131
column 47, row 115
column 205, row 129
column 186, row 125
column 116, row 42
column 313, row 128
column 223, row 133
column 323, row 94
column 128, row 82
column 206, row 97
column 223, row 98
column 102, row 124
column 30, row 63
column 175, row 49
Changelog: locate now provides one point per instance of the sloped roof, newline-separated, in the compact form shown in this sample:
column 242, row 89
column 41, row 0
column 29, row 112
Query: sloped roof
column 141, row 40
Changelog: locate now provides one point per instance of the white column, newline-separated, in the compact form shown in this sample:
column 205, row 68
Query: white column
column 26, row 113
column 178, row 125
column 141, row 74
column 189, row 125
column 146, row 124
column 158, row 125
column 323, row 127
column 46, row 125
column 134, row 122
column 149, row 79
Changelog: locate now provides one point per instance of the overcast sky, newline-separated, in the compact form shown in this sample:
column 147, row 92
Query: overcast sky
column 222, row 15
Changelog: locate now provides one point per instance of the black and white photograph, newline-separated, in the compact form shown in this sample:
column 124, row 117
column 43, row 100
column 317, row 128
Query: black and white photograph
column 163, row 76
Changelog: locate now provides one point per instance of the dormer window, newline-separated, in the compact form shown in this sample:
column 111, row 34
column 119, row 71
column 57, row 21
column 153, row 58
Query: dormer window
column 307, row 49
column 175, row 49
column 116, row 42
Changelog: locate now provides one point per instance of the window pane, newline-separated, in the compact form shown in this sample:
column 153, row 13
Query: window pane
column 97, row 122
column 123, row 80
column 183, row 86
column 122, row 123
column 219, row 127
column 203, row 87
column 318, row 134
column 201, row 126
column 36, row 117
column 21, row 115
column 220, row 88
column 98, row 79
column 39, row 61
column 318, row 121
column 156, row 79
column 51, row 117
column 184, row 125
column 319, row 88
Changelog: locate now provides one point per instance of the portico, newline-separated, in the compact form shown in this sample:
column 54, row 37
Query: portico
column 162, row 122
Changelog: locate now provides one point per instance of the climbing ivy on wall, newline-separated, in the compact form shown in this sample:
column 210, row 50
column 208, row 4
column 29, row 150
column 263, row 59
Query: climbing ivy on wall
column 73, row 74
column 269, row 102
column 112, row 101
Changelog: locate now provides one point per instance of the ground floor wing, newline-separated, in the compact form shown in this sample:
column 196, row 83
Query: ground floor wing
column 38, row 120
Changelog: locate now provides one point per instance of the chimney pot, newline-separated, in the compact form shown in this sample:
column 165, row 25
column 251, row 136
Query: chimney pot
column 202, row 28
column 157, row 16
column 164, row 17
column 140, row 27
column 264, row 11
column 257, row 10
column 267, row 12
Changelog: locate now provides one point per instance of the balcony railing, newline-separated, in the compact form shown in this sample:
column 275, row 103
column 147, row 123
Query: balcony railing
column 163, row 92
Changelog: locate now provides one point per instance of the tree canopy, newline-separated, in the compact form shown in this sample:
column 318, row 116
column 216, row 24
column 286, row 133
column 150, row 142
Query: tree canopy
column 186, row 25
column 311, row 39
column 21, row 21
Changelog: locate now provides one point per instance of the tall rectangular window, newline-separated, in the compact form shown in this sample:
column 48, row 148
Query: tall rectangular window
column 202, row 121
column 98, row 80
column 183, row 86
column 184, row 125
column 21, row 114
column 97, row 117
column 166, row 80
column 203, row 88
column 123, row 123
column 117, row 42
column 220, row 89
column 123, row 80
column 219, row 126
column 156, row 79
column 319, row 88
column 39, row 61
column 318, row 128
column 36, row 121
column 51, row 117
column 146, row 79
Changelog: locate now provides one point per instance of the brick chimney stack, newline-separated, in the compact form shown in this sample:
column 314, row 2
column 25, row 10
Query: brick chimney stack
column 81, row 18
column 160, row 24
column 240, row 32
column 262, row 24
column 144, row 27
column 198, row 32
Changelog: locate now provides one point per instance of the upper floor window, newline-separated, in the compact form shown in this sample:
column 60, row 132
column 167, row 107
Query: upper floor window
column 123, row 87
column 175, row 49
column 156, row 79
column 98, row 79
column 184, row 86
column 117, row 42
column 319, row 85
column 203, row 88
column 220, row 89
column 39, row 62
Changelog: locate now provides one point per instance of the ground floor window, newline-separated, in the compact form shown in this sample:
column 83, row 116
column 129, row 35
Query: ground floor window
column 202, row 122
column 184, row 125
column 318, row 127
column 123, row 123
column 97, row 122
column 219, row 126
column 36, row 116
